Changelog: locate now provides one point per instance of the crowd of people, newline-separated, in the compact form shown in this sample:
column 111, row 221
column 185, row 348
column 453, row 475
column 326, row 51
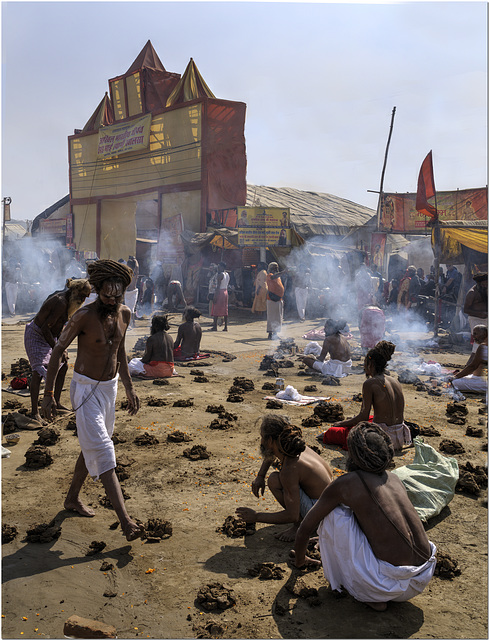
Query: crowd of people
column 367, row 508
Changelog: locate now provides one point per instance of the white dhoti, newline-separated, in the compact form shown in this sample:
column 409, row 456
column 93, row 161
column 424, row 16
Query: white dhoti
column 275, row 314
column 130, row 299
column 349, row 562
column 94, row 403
column 11, row 293
column 476, row 384
column 301, row 301
column 399, row 434
column 336, row 368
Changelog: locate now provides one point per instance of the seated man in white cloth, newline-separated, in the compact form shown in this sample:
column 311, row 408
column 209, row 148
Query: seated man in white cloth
column 371, row 539
column 473, row 376
column 339, row 363
column 101, row 357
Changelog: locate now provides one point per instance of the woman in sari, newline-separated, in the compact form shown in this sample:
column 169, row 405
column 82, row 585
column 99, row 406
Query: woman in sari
column 261, row 290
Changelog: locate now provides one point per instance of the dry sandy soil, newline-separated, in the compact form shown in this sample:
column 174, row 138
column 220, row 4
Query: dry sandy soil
column 151, row 591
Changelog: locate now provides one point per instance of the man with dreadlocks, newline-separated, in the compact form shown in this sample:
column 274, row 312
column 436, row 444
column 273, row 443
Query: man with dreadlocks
column 42, row 332
column 101, row 358
column 302, row 477
column 381, row 392
column 371, row 539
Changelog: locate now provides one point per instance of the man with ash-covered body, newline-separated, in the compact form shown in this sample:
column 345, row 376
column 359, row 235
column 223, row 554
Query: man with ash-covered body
column 339, row 363
column 42, row 333
column 101, row 357
column 297, row 486
column 371, row 539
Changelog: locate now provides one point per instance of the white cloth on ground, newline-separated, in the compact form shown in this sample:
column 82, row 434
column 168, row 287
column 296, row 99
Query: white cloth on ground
column 312, row 349
column 136, row 367
column 476, row 384
column 94, row 402
column 336, row 368
column 399, row 434
column 349, row 562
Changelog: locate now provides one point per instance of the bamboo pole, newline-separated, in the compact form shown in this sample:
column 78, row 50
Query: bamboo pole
column 379, row 203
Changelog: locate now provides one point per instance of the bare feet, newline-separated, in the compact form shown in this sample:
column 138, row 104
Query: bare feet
column 61, row 409
column 36, row 417
column 288, row 535
column 79, row 507
column 132, row 531
column 378, row 606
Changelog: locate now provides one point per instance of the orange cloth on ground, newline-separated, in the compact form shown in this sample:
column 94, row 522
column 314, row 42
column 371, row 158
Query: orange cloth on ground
column 275, row 286
column 159, row 369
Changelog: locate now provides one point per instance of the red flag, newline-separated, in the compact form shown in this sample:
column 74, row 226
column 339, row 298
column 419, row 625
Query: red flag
column 426, row 188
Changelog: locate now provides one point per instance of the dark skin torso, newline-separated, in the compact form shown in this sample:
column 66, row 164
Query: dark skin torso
column 189, row 336
column 337, row 346
column 159, row 348
column 52, row 317
column 385, row 540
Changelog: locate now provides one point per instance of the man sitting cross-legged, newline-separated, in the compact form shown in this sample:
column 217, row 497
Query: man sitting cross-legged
column 339, row 363
column 371, row 539
column 302, row 477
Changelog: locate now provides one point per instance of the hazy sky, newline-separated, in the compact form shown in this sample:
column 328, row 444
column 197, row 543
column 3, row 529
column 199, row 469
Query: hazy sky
column 319, row 81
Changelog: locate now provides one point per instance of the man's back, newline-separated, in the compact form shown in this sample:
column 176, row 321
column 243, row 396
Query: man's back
column 387, row 399
column 312, row 472
column 386, row 516
column 53, row 313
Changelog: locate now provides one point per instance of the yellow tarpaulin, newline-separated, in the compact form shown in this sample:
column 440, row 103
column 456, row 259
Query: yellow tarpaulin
column 451, row 239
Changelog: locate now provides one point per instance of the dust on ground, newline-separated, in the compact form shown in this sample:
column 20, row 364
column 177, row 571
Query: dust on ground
column 198, row 581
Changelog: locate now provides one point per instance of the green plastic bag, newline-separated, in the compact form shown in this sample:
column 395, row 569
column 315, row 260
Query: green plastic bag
column 429, row 480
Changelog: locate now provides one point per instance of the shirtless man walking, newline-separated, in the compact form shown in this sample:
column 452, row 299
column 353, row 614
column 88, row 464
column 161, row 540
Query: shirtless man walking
column 299, row 483
column 41, row 334
column 339, row 364
column 101, row 358
column 371, row 539
column 381, row 392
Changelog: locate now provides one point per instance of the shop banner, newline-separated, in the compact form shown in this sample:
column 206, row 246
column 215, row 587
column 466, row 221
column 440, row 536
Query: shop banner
column 263, row 227
column 263, row 217
column 122, row 138
column 398, row 212
column 377, row 250
column 55, row 227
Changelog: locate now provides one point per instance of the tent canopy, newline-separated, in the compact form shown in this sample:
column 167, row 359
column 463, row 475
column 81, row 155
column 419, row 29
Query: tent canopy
column 472, row 235
column 311, row 214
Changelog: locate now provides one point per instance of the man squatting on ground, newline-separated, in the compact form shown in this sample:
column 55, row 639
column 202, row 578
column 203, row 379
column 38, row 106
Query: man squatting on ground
column 339, row 364
column 101, row 357
column 371, row 539
column 383, row 394
column 42, row 333
column 299, row 483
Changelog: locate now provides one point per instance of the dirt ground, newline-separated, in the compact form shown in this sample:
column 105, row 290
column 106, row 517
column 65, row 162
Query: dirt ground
column 152, row 589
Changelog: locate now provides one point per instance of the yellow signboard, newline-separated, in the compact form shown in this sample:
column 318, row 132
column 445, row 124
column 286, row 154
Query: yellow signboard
column 263, row 217
column 122, row 138
column 263, row 226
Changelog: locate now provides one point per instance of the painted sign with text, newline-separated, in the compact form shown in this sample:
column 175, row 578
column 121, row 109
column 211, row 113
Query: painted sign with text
column 399, row 213
column 122, row 138
column 263, row 226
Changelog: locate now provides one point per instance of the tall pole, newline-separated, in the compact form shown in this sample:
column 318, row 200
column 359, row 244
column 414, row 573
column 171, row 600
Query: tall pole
column 379, row 204
column 436, row 234
column 6, row 208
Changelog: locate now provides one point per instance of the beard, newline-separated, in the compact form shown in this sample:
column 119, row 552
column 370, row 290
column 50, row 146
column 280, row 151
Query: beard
column 105, row 310
column 267, row 454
